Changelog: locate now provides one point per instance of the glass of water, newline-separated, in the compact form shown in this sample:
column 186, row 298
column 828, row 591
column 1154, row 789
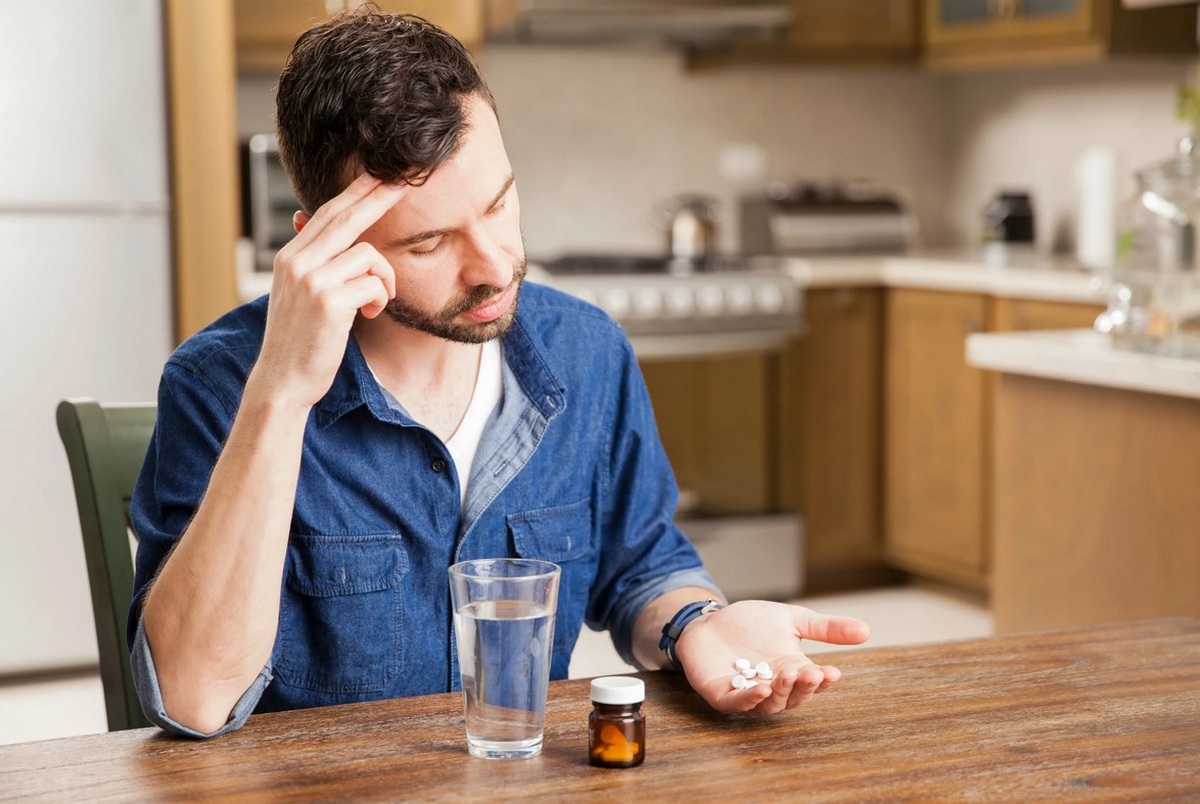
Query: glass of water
column 504, row 625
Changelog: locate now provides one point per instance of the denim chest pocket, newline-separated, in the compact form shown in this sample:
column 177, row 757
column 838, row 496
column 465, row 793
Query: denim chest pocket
column 340, row 613
column 562, row 535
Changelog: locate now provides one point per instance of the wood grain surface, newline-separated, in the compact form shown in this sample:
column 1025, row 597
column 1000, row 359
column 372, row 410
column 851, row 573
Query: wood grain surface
column 1106, row 713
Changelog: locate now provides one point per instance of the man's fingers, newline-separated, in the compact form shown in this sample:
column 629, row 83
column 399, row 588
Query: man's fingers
column 826, row 628
column 365, row 293
column 341, row 221
column 359, row 260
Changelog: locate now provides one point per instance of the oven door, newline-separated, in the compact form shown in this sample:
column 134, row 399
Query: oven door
column 716, row 417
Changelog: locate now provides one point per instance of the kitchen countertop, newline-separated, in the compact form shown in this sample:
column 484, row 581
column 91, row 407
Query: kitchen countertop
column 1083, row 356
column 1019, row 275
column 1022, row 275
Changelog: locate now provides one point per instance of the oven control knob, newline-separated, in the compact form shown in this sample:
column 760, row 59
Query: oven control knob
column 647, row 303
column 710, row 300
column 740, row 299
column 770, row 299
column 615, row 302
column 680, row 301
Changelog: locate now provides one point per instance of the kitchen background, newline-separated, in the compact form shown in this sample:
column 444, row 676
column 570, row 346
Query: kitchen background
column 600, row 139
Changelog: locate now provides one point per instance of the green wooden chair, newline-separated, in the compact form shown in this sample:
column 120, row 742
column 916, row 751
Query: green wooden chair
column 105, row 446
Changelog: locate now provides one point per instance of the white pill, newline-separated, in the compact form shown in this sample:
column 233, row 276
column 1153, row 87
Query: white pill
column 750, row 672
column 740, row 682
column 750, row 684
column 742, row 664
column 764, row 670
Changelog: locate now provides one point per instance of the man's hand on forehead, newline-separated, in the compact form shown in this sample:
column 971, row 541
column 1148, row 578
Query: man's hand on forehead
column 324, row 278
column 341, row 220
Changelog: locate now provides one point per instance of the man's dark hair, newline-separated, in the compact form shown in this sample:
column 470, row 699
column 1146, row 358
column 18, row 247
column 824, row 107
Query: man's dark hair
column 376, row 92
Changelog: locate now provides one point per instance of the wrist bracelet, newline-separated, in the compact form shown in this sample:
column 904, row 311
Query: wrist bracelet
column 672, row 630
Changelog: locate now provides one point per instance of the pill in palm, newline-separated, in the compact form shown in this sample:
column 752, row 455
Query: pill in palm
column 764, row 670
column 739, row 682
column 742, row 664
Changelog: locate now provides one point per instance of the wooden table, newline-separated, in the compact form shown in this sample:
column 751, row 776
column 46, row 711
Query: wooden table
column 1107, row 713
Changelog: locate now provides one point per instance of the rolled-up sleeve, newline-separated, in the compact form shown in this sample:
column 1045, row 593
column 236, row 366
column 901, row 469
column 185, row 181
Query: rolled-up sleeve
column 630, row 606
column 145, row 680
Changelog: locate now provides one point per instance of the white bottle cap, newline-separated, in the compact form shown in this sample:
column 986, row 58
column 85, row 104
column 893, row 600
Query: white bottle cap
column 618, row 690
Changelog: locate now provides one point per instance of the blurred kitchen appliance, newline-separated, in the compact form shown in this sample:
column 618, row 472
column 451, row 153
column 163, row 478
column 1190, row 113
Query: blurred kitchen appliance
column 1154, row 287
column 681, row 23
column 673, row 308
column 690, row 222
column 813, row 219
column 268, row 202
column 1008, row 218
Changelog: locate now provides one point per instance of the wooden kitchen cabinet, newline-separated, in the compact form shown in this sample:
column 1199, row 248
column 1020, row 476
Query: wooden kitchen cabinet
column 1002, row 33
column 935, row 459
column 1025, row 315
column 938, row 456
column 823, row 31
column 267, row 29
column 1096, row 514
column 715, row 419
column 829, row 444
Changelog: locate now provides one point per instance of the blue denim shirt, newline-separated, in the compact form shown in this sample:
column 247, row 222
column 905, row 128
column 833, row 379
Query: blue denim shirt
column 570, row 469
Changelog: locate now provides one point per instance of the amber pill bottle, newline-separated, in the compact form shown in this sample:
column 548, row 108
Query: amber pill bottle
column 617, row 725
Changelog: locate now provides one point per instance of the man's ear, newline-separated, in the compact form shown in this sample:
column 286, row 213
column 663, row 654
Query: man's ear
column 300, row 219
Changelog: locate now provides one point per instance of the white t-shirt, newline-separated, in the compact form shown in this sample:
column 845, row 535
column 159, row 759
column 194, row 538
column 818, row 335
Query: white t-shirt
column 489, row 389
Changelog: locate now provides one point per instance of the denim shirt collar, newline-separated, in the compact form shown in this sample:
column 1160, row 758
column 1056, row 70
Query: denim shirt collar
column 354, row 386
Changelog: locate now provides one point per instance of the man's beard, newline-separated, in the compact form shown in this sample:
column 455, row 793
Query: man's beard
column 443, row 324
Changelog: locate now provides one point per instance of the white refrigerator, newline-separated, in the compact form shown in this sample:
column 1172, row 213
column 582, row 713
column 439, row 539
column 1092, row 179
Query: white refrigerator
column 85, row 284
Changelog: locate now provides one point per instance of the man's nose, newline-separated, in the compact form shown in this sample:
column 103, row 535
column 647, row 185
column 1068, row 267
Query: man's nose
column 488, row 262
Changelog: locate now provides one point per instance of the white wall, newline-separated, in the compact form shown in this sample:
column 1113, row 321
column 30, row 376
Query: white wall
column 600, row 138
column 1025, row 129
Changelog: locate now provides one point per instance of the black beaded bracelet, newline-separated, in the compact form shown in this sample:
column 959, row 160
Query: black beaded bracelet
column 672, row 630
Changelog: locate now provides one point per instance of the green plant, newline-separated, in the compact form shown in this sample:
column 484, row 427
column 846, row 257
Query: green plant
column 1188, row 105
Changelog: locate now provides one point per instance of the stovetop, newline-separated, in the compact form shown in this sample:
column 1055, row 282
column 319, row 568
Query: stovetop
column 609, row 264
column 723, row 303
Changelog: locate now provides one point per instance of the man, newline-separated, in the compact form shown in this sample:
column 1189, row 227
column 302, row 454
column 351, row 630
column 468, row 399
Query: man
column 403, row 402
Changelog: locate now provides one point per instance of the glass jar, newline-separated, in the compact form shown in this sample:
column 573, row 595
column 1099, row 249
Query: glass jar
column 617, row 726
column 1154, row 289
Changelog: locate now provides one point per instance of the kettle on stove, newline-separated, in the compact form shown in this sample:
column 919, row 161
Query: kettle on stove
column 690, row 222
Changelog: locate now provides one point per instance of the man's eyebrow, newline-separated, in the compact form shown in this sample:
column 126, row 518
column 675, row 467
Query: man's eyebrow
column 507, row 184
column 413, row 239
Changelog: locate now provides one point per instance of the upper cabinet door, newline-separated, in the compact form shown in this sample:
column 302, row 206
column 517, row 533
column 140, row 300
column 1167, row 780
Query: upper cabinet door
column 1012, row 20
column 267, row 29
column 825, row 31
column 1005, row 33
column 956, row 12
column 819, row 26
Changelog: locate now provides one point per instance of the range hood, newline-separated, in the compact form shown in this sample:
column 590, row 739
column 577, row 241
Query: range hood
column 679, row 23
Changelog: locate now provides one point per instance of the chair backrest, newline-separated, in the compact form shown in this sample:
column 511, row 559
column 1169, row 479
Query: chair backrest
column 106, row 445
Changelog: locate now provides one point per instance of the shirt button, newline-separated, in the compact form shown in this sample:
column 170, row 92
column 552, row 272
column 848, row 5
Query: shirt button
column 438, row 465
